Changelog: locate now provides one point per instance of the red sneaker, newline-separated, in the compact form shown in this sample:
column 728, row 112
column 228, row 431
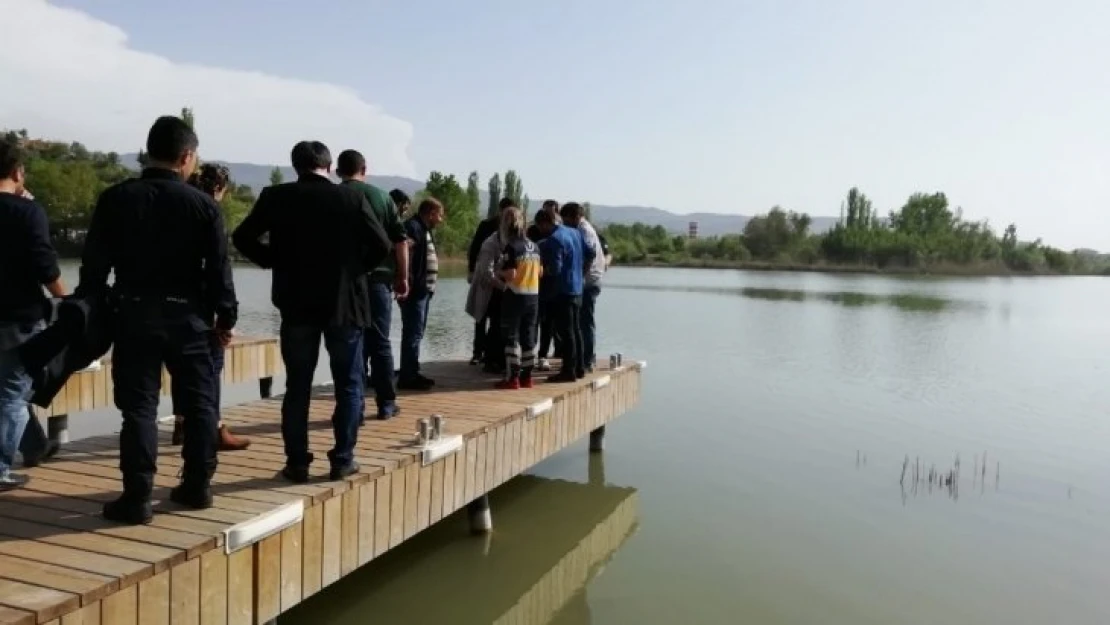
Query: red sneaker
column 509, row 385
column 526, row 382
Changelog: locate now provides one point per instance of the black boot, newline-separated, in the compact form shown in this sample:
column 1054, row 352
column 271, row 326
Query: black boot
column 129, row 510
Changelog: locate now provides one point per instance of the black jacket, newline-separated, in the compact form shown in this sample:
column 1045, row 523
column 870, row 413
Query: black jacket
column 323, row 241
column 161, row 238
column 83, row 332
column 27, row 262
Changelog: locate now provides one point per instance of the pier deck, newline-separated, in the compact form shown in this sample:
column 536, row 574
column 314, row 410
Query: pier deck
column 62, row 564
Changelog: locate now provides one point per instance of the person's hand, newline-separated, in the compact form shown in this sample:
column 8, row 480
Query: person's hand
column 401, row 288
column 223, row 336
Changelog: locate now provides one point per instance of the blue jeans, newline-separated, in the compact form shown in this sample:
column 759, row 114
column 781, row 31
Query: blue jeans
column 588, row 325
column 15, row 390
column 414, row 318
column 300, row 349
column 379, row 350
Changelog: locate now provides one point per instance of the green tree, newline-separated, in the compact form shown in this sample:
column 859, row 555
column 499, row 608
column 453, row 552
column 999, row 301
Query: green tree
column 460, row 219
column 187, row 117
column 473, row 193
column 514, row 187
column 494, row 195
column 276, row 177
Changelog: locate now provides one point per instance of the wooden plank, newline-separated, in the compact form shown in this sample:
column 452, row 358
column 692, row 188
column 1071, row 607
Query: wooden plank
column 367, row 497
column 185, row 593
column 240, row 587
column 44, row 603
column 88, row 615
column 333, row 540
column 397, row 509
column 412, row 492
column 154, row 600
column 267, row 578
column 161, row 557
column 292, row 573
column 348, row 560
column 121, row 608
column 382, row 511
column 423, row 497
column 11, row 616
column 471, row 462
column 449, row 484
column 435, row 498
column 313, row 541
column 89, row 587
column 481, row 444
column 213, row 588
column 491, row 459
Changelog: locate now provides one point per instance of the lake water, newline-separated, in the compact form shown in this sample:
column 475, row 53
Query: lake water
column 759, row 480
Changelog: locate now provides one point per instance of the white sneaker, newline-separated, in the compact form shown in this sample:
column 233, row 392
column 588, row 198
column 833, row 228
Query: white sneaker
column 9, row 481
column 544, row 365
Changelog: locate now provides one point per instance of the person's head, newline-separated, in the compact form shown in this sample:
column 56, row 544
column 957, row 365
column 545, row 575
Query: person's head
column 431, row 211
column 351, row 165
column 401, row 200
column 12, row 174
column 551, row 207
column 506, row 202
column 546, row 222
column 573, row 213
column 212, row 178
column 172, row 144
column 311, row 157
column 512, row 224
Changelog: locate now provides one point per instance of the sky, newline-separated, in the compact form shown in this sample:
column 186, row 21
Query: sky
column 728, row 106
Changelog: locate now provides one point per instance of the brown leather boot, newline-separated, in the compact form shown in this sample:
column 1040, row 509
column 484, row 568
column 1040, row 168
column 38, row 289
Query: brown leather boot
column 230, row 442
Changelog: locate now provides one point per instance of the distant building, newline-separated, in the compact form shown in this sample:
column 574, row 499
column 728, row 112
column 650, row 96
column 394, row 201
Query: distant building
column 693, row 232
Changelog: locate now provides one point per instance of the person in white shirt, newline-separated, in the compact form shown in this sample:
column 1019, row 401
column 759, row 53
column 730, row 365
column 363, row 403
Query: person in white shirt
column 574, row 216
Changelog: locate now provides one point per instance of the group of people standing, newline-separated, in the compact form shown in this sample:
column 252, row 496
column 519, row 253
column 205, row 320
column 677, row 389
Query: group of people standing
column 340, row 255
column 533, row 288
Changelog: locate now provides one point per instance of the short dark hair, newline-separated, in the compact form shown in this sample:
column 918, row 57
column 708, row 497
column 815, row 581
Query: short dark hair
column 350, row 163
column 545, row 217
column 400, row 198
column 572, row 210
column 11, row 158
column 428, row 205
column 506, row 202
column 169, row 139
column 211, row 177
column 550, row 204
column 309, row 156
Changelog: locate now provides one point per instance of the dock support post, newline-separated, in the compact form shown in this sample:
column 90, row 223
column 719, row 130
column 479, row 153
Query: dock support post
column 596, row 471
column 481, row 521
column 266, row 387
column 597, row 440
column 57, row 429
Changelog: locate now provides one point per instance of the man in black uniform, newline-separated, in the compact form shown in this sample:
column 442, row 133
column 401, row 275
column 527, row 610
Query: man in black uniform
column 166, row 243
column 323, row 241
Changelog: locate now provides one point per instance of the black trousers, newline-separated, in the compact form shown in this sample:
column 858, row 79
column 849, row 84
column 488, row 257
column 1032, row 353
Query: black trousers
column 547, row 330
column 518, row 328
column 152, row 334
column 479, row 338
column 566, row 310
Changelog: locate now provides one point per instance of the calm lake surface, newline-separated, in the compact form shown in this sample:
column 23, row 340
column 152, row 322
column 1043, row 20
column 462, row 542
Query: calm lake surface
column 758, row 482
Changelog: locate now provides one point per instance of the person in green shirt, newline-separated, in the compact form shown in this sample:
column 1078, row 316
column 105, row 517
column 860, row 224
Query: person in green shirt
column 388, row 280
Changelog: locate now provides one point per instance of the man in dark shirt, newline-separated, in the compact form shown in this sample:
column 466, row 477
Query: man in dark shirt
column 390, row 278
column 487, row 324
column 323, row 242
column 423, row 273
column 166, row 244
column 27, row 264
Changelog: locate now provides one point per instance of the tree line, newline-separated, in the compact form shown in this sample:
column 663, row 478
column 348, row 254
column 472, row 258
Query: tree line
column 925, row 234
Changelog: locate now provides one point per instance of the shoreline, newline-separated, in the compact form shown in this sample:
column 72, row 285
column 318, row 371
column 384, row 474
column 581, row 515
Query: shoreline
column 949, row 271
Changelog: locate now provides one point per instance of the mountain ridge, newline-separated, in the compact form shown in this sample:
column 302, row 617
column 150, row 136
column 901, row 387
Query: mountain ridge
column 709, row 224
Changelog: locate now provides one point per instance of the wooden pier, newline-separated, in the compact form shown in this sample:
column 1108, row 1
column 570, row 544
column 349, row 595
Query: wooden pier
column 60, row 563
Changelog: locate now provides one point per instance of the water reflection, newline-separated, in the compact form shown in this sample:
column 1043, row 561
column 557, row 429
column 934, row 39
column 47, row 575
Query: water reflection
column 914, row 302
column 551, row 537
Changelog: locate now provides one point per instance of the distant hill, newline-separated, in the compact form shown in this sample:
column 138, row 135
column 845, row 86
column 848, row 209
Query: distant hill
column 709, row 224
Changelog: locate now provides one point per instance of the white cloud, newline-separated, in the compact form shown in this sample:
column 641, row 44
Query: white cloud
column 69, row 76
